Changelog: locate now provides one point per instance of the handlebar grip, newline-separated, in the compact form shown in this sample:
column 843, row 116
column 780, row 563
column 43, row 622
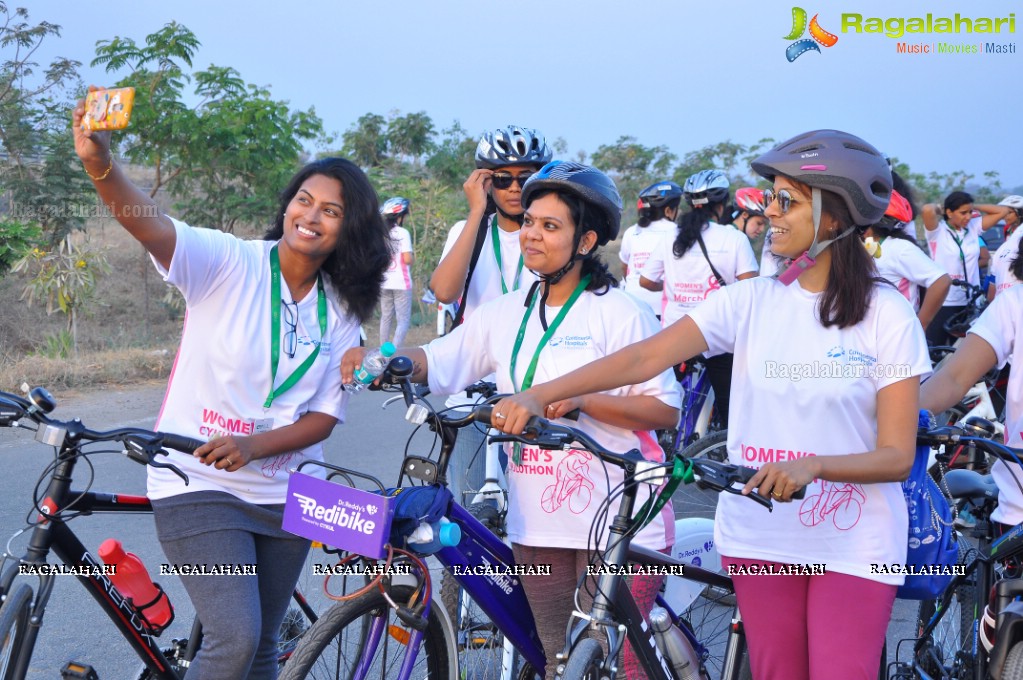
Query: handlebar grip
column 746, row 474
column 573, row 414
column 180, row 443
column 483, row 413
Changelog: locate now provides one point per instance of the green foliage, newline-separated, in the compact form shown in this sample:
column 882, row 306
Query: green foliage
column 16, row 239
column 60, row 345
column 42, row 180
column 225, row 158
column 365, row 142
column 453, row 158
column 410, row 135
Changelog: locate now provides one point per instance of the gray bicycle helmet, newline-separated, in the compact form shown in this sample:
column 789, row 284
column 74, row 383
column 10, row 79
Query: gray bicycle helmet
column 512, row 145
column 834, row 161
column 659, row 194
column 706, row 186
column 591, row 185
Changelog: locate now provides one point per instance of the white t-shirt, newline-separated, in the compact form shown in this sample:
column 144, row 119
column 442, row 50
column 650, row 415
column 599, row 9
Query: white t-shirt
column 1001, row 260
column 486, row 283
column 1001, row 325
column 637, row 245
column 398, row 275
column 689, row 280
column 945, row 251
column 553, row 495
column 907, row 267
column 221, row 376
column 799, row 389
column 486, row 279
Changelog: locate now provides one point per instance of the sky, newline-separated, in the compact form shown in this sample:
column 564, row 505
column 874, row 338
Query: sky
column 679, row 73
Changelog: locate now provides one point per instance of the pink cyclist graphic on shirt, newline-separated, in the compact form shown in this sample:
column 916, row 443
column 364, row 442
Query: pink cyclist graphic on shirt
column 842, row 502
column 572, row 484
column 712, row 285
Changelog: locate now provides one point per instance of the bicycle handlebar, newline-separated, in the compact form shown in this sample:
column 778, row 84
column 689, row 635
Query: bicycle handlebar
column 544, row 434
column 952, row 435
column 141, row 445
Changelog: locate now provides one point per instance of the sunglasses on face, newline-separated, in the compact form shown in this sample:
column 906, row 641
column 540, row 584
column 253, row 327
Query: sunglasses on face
column 504, row 180
column 785, row 199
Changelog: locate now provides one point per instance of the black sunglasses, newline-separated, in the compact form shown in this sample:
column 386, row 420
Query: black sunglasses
column 504, row 180
column 785, row 199
column 291, row 335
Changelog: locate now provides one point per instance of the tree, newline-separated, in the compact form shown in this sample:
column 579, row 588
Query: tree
column 453, row 158
column 729, row 157
column 410, row 135
column 365, row 142
column 46, row 190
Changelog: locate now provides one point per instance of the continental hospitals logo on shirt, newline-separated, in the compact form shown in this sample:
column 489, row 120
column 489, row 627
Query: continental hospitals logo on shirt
column 571, row 341
column 818, row 36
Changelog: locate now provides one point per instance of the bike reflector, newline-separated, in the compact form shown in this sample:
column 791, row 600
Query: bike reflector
column 341, row 516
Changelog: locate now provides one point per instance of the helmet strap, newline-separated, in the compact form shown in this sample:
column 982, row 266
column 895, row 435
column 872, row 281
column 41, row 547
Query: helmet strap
column 508, row 216
column 809, row 258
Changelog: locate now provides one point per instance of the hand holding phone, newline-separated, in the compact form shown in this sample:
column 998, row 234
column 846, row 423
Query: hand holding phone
column 108, row 109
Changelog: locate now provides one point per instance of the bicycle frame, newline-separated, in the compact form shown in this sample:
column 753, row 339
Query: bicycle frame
column 53, row 534
column 694, row 419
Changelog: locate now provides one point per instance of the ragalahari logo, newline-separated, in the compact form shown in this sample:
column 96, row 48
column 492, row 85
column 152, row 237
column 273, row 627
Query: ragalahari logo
column 804, row 45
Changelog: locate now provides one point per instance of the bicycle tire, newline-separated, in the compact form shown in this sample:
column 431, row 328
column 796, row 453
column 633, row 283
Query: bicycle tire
column 689, row 500
column 13, row 622
column 1013, row 669
column 584, row 661
column 952, row 639
column 313, row 659
column 480, row 644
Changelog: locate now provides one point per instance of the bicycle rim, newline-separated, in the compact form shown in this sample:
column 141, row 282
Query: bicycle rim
column 333, row 647
column 13, row 622
column 950, row 650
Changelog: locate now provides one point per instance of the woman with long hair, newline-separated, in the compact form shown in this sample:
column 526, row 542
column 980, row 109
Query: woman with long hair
column 828, row 359
column 257, row 375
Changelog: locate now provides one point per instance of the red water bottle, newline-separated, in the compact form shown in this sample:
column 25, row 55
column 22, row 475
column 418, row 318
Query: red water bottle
column 132, row 580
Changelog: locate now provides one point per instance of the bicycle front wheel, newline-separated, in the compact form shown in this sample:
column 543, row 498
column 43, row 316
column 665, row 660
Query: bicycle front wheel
column 950, row 649
column 333, row 647
column 584, row 661
column 13, row 624
column 689, row 500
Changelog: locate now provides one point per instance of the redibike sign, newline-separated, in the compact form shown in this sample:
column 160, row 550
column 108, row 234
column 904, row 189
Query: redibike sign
column 337, row 515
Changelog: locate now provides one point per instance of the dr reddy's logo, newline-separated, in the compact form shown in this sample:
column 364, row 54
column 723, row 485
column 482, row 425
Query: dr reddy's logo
column 804, row 45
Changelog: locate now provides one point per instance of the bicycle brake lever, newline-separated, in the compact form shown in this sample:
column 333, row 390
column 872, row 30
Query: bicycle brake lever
column 169, row 466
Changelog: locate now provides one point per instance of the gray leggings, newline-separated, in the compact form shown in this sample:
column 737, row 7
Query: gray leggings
column 395, row 303
column 240, row 614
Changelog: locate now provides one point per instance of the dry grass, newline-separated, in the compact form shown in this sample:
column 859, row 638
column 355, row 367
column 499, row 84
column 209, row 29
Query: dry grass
column 90, row 370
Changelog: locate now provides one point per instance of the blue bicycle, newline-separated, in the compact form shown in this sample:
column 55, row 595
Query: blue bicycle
column 396, row 629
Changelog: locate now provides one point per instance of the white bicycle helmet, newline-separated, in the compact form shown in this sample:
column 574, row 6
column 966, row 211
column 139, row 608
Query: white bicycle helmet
column 512, row 145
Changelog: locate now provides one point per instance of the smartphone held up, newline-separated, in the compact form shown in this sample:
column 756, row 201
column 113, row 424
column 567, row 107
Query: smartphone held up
column 108, row 109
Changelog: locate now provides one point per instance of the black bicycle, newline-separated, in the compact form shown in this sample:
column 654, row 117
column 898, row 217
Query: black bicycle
column 22, row 612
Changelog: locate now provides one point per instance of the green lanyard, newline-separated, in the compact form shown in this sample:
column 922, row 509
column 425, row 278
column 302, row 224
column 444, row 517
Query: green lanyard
column 962, row 255
column 275, row 330
column 500, row 263
column 527, row 381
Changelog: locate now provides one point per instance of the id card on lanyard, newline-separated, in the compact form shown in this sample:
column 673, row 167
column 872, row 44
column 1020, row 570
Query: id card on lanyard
column 962, row 255
column 527, row 380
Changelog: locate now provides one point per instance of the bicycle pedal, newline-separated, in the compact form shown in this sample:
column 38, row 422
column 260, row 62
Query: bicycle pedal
column 74, row 670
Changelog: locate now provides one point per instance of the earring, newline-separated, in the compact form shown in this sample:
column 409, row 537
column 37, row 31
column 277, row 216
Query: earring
column 583, row 251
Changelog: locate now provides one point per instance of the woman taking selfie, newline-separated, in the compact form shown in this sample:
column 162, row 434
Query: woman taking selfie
column 825, row 396
column 267, row 323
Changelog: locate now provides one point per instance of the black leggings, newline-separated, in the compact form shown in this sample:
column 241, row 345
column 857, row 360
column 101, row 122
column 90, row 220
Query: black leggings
column 936, row 334
column 719, row 372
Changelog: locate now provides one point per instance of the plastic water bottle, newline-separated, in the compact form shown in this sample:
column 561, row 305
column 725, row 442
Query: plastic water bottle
column 429, row 538
column 132, row 580
column 673, row 644
column 373, row 364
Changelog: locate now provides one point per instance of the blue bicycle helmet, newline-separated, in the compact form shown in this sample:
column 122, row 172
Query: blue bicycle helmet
column 659, row 194
column 595, row 188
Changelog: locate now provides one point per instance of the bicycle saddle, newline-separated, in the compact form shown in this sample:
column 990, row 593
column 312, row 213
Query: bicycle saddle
column 971, row 485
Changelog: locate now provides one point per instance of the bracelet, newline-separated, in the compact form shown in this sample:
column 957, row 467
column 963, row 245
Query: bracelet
column 105, row 172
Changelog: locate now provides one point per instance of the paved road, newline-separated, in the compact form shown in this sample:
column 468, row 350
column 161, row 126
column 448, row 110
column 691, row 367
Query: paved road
column 75, row 629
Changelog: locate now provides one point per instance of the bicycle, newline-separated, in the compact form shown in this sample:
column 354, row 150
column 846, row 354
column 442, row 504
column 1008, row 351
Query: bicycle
column 349, row 639
column 696, row 415
column 955, row 635
column 23, row 609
